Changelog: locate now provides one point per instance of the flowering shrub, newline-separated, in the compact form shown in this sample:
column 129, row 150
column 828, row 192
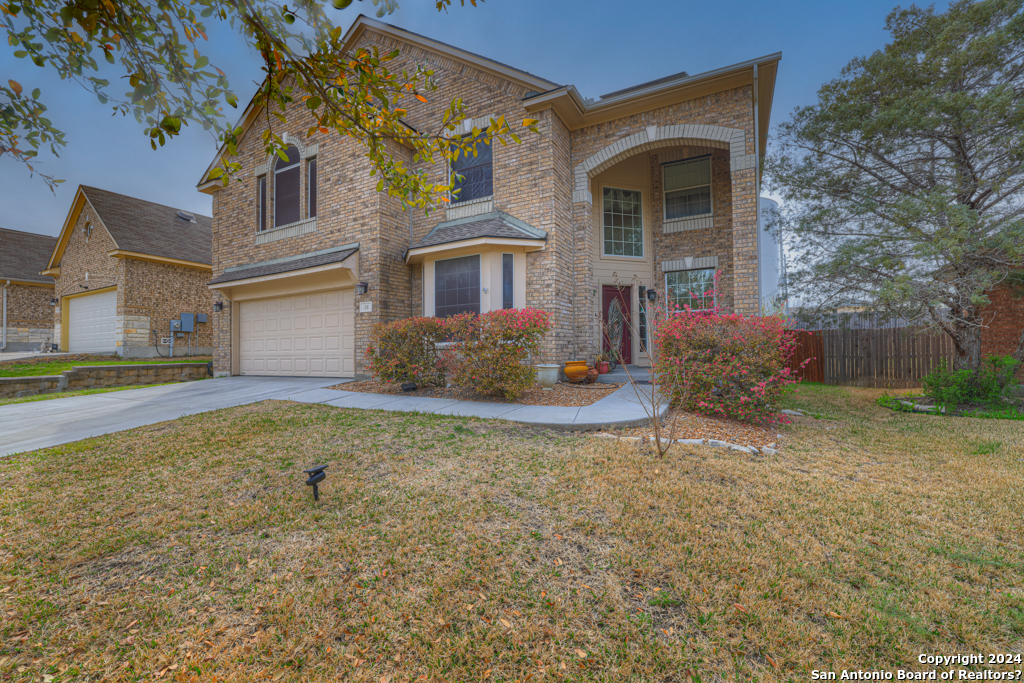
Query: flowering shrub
column 723, row 364
column 486, row 352
column 407, row 351
column 493, row 349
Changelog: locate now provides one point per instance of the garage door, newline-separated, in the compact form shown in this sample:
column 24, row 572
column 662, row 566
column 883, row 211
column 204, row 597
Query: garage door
column 91, row 321
column 309, row 334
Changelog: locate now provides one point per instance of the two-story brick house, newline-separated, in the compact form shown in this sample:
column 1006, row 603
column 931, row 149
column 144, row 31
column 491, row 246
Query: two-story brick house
column 652, row 187
column 123, row 269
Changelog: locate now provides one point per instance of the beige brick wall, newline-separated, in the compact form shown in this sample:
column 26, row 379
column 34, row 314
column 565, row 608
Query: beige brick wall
column 29, row 315
column 152, row 294
column 533, row 181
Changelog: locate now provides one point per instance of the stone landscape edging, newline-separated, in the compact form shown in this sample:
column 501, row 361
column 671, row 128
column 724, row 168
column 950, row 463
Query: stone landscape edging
column 88, row 376
column 714, row 443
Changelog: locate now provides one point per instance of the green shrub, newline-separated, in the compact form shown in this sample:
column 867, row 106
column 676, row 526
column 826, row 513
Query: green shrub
column 407, row 351
column 994, row 381
column 491, row 350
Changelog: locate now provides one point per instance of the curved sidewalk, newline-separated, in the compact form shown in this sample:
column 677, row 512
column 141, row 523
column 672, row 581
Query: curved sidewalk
column 621, row 409
column 48, row 423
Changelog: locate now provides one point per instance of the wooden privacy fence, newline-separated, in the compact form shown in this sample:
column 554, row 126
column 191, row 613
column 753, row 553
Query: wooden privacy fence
column 894, row 358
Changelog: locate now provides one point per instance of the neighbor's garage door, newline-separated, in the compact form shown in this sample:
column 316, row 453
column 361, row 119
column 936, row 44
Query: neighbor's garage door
column 91, row 323
column 309, row 334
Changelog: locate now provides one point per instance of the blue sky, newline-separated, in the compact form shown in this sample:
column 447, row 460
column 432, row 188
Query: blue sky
column 597, row 45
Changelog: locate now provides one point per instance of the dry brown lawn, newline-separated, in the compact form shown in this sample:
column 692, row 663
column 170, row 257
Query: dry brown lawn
column 451, row 549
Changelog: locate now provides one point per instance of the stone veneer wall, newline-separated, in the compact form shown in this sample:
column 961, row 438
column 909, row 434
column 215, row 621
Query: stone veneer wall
column 29, row 317
column 87, row 377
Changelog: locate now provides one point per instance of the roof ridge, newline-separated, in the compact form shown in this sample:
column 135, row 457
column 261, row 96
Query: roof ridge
column 26, row 232
column 85, row 188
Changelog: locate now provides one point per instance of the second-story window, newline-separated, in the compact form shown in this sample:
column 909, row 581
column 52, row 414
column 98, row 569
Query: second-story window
column 473, row 176
column 261, row 203
column 311, row 184
column 623, row 223
column 688, row 188
column 286, row 188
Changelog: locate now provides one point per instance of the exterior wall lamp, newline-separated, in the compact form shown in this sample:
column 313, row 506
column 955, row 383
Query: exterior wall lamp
column 652, row 295
column 53, row 302
column 362, row 287
column 218, row 306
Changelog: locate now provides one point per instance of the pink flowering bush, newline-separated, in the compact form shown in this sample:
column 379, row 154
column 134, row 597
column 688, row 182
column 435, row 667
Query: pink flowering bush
column 407, row 351
column 488, row 352
column 493, row 350
column 723, row 364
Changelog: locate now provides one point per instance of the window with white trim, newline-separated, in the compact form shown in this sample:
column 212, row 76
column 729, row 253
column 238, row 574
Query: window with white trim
column 311, row 186
column 261, row 203
column 508, row 281
column 623, row 222
column 693, row 288
column 687, row 188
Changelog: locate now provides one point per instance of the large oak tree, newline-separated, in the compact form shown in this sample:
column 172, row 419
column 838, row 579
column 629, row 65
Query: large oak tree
column 159, row 46
column 903, row 183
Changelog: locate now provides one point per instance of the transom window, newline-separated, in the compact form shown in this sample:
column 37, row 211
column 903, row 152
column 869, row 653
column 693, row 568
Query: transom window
column 457, row 286
column 623, row 223
column 473, row 175
column 287, row 194
column 688, row 188
column 693, row 288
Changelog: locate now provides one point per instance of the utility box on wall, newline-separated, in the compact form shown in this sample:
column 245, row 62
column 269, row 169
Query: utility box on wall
column 188, row 322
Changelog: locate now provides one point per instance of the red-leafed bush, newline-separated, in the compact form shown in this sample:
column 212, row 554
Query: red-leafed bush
column 723, row 364
column 488, row 353
column 408, row 351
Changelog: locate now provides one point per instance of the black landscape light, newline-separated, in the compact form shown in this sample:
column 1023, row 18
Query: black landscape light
column 316, row 475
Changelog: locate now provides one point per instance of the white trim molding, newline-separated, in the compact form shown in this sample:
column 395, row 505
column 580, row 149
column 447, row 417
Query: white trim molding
column 305, row 152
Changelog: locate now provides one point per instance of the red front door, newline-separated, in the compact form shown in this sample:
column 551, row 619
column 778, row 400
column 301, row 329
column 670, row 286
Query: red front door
column 616, row 316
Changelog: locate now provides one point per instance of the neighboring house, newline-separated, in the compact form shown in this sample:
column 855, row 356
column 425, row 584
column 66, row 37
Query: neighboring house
column 27, row 323
column 123, row 269
column 651, row 187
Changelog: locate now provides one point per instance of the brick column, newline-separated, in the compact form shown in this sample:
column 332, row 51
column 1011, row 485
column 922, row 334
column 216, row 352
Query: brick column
column 744, row 241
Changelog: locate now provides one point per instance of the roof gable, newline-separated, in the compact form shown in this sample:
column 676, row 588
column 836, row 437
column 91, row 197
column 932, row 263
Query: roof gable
column 140, row 227
column 23, row 256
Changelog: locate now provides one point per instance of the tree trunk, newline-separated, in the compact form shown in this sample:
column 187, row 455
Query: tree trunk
column 967, row 347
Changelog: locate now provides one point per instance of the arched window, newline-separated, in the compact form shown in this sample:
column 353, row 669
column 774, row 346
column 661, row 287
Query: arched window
column 286, row 188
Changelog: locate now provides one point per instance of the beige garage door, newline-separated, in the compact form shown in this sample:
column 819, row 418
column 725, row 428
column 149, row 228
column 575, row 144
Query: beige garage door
column 309, row 335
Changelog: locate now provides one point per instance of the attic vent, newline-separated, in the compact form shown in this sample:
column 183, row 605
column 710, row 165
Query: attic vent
column 186, row 216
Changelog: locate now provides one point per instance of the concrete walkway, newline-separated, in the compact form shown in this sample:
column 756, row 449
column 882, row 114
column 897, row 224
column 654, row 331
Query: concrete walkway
column 43, row 424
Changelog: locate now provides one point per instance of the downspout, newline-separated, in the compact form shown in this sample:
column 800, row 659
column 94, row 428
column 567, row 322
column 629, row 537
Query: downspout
column 3, row 344
column 757, row 191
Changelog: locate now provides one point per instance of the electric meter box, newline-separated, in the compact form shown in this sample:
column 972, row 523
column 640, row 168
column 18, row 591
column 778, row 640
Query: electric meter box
column 188, row 322
column 175, row 326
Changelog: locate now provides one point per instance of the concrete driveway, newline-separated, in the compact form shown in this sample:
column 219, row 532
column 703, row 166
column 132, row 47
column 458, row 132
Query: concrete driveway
column 42, row 424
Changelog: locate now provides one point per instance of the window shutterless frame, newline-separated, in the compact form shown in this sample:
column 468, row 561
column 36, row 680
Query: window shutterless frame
column 679, row 284
column 508, row 278
column 287, row 188
column 261, row 203
column 477, row 173
column 622, row 223
column 692, row 194
column 457, row 285
column 311, row 187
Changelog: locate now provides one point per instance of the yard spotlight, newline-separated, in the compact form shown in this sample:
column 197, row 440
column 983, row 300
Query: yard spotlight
column 316, row 475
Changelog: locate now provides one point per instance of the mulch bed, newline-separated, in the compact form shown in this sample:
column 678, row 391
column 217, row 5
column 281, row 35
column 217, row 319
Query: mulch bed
column 565, row 395
column 695, row 426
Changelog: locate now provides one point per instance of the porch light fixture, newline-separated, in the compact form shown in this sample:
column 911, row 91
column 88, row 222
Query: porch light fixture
column 218, row 306
column 53, row 302
column 652, row 295
column 316, row 475
column 362, row 287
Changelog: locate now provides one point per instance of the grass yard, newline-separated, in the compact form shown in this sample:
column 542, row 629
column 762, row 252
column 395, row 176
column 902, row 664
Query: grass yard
column 55, row 367
column 453, row 549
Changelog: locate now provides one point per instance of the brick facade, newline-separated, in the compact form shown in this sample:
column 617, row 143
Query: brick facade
column 29, row 317
column 149, row 293
column 1005, row 319
column 545, row 182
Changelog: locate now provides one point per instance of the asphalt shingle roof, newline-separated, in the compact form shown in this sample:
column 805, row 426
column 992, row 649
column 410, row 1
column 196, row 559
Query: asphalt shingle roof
column 24, row 254
column 152, row 229
column 283, row 266
column 494, row 224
